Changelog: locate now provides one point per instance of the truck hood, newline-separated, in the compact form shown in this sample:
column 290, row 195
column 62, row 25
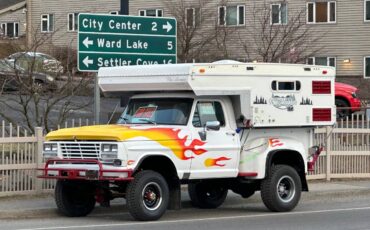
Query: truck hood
column 344, row 87
column 115, row 133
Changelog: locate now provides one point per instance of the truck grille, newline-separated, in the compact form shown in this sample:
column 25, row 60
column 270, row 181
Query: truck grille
column 80, row 150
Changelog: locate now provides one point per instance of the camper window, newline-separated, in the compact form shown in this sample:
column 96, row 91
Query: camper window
column 286, row 85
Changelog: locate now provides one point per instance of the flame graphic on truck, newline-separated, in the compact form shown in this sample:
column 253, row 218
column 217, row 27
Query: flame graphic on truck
column 169, row 138
column 215, row 162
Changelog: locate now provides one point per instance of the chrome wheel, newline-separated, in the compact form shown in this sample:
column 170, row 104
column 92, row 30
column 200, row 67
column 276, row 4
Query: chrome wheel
column 152, row 196
column 286, row 189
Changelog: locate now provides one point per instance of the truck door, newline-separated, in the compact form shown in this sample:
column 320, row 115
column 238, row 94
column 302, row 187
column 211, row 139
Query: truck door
column 219, row 152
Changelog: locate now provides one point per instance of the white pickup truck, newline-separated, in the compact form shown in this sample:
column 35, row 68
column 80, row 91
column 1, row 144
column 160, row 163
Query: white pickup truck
column 243, row 127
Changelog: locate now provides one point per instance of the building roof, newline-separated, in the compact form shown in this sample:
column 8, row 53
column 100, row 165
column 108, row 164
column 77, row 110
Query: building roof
column 7, row 3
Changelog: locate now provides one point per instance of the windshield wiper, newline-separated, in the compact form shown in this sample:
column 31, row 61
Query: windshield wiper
column 148, row 120
column 125, row 119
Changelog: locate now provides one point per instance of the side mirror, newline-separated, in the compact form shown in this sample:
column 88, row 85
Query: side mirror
column 210, row 125
column 213, row 125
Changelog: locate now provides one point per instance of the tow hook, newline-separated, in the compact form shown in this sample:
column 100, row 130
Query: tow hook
column 315, row 152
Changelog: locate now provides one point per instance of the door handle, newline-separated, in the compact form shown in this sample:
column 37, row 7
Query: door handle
column 230, row 133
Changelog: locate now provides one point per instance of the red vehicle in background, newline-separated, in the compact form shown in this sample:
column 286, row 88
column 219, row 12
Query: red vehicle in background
column 346, row 99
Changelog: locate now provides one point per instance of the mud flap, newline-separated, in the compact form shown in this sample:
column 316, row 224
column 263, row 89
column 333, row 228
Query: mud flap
column 175, row 195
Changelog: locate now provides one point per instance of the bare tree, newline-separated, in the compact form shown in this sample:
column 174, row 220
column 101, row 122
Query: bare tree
column 39, row 100
column 273, row 36
column 199, row 37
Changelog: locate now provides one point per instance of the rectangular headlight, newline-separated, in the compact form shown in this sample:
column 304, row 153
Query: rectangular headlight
column 109, row 148
column 49, row 155
column 50, row 150
column 109, row 152
column 108, row 156
column 50, row 147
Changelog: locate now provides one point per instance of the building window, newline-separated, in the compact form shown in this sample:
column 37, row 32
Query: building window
column 47, row 22
column 192, row 17
column 151, row 13
column 10, row 29
column 279, row 13
column 231, row 15
column 326, row 61
column 321, row 12
column 367, row 10
column 73, row 21
column 367, row 67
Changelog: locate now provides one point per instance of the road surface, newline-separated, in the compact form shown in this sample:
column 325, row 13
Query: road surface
column 343, row 211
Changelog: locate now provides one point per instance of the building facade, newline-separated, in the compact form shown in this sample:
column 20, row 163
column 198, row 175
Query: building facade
column 57, row 20
column 12, row 19
column 339, row 30
column 343, row 27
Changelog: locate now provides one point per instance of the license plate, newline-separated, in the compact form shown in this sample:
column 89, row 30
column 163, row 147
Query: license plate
column 92, row 174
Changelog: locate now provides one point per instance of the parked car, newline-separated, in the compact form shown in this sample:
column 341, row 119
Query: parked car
column 42, row 62
column 9, row 73
column 346, row 99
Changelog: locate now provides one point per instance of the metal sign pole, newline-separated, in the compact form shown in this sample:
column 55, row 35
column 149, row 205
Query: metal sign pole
column 96, row 100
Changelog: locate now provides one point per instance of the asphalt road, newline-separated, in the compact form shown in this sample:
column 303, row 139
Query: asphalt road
column 314, row 212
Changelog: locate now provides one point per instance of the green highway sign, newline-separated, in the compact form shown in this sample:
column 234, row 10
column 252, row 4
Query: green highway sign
column 120, row 40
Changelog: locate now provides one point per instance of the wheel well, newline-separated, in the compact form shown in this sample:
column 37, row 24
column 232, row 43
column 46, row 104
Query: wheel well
column 164, row 166
column 160, row 164
column 291, row 158
column 342, row 98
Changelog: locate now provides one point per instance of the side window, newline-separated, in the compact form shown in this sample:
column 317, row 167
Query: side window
column 208, row 111
column 286, row 85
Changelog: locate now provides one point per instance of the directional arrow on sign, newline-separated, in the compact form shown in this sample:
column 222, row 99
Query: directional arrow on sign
column 167, row 26
column 87, row 61
column 88, row 42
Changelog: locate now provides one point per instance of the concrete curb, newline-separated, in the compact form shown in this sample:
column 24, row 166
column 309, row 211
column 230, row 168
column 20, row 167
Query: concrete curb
column 233, row 201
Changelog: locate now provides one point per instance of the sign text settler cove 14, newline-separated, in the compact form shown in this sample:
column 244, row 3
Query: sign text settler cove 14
column 110, row 40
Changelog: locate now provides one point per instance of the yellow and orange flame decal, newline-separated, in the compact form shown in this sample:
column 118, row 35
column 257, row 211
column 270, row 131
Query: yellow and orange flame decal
column 209, row 162
column 274, row 142
column 169, row 138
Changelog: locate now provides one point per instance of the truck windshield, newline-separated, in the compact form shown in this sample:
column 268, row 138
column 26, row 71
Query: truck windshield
column 165, row 111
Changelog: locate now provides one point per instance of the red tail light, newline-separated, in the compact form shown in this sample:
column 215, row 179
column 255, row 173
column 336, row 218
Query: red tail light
column 321, row 114
column 321, row 87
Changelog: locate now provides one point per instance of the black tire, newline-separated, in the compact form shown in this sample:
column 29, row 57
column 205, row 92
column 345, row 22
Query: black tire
column 281, row 190
column 206, row 194
column 74, row 198
column 147, row 196
column 342, row 113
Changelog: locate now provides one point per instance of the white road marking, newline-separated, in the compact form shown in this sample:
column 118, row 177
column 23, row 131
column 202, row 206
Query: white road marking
column 201, row 219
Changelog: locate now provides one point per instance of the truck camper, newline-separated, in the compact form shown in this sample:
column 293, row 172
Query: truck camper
column 216, row 127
